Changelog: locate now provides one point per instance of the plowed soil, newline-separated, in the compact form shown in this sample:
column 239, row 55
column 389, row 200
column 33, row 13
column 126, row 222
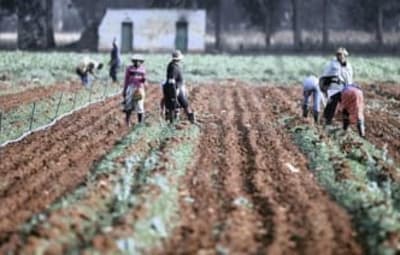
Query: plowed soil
column 47, row 164
column 252, row 191
column 250, row 186
column 10, row 101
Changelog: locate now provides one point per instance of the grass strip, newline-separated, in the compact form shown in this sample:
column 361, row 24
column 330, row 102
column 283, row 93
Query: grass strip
column 16, row 122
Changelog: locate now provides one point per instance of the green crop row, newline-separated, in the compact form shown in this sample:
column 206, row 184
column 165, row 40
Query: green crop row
column 47, row 68
column 127, row 184
column 30, row 116
column 361, row 178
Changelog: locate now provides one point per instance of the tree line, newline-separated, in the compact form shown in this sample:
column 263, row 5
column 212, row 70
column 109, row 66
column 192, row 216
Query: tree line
column 35, row 17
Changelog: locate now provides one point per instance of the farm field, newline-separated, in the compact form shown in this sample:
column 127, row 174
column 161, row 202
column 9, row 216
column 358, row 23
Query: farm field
column 252, row 177
column 38, row 69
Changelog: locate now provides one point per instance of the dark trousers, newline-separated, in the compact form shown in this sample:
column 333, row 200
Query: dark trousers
column 330, row 108
column 113, row 73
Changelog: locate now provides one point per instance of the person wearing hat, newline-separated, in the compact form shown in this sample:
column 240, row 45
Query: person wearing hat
column 174, row 89
column 311, row 88
column 134, row 89
column 86, row 68
column 338, row 73
column 114, row 61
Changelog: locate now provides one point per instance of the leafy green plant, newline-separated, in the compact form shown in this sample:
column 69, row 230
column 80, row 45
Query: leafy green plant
column 353, row 171
column 37, row 69
column 126, row 183
column 17, row 121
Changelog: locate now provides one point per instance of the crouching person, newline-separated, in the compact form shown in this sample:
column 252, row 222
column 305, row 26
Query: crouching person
column 86, row 70
column 311, row 88
column 174, row 89
column 351, row 100
column 134, row 89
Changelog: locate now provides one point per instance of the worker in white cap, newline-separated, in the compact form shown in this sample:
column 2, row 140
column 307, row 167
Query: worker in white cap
column 338, row 73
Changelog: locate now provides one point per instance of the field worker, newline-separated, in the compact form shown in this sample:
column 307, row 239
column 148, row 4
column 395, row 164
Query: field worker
column 114, row 61
column 174, row 90
column 352, row 104
column 86, row 68
column 337, row 74
column 134, row 89
column 311, row 88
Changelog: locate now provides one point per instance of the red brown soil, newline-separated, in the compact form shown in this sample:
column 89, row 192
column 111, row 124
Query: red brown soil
column 247, row 198
column 76, row 216
column 383, row 127
column 10, row 101
column 45, row 165
column 388, row 90
column 382, row 117
column 242, row 154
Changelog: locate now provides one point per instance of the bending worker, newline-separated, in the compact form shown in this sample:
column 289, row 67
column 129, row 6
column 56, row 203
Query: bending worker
column 86, row 68
column 352, row 106
column 311, row 88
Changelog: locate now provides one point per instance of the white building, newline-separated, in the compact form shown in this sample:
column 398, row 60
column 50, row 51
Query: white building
column 153, row 30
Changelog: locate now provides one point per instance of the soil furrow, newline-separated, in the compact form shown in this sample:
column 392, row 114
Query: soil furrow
column 56, row 150
column 10, row 101
column 238, row 217
column 262, row 204
column 281, row 212
column 248, row 190
column 301, row 197
column 60, row 160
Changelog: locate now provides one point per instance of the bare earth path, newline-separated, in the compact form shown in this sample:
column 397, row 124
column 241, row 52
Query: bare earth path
column 251, row 189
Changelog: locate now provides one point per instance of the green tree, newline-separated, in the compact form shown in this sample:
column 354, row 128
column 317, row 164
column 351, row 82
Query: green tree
column 35, row 24
column 91, row 13
column 296, row 20
column 7, row 7
column 371, row 14
column 264, row 14
column 214, row 6
column 325, row 20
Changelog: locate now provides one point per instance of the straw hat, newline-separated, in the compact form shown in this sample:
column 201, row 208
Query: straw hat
column 177, row 55
column 137, row 57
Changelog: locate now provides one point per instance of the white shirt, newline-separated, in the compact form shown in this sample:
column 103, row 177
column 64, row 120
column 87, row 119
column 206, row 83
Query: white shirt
column 310, row 83
column 85, row 62
column 334, row 68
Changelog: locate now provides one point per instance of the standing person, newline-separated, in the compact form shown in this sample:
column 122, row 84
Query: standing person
column 86, row 70
column 311, row 88
column 337, row 74
column 114, row 61
column 174, row 89
column 134, row 89
column 351, row 99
